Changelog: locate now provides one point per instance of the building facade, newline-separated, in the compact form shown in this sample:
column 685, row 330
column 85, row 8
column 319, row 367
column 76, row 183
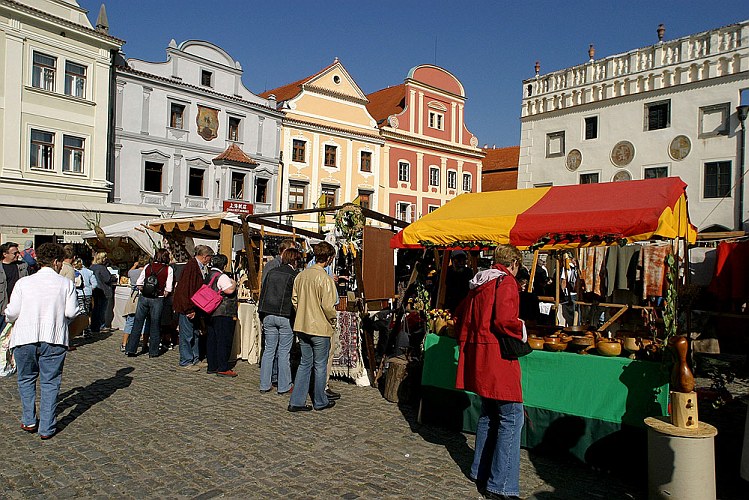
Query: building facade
column 174, row 118
column 330, row 145
column 499, row 170
column 54, row 121
column 429, row 154
column 668, row 109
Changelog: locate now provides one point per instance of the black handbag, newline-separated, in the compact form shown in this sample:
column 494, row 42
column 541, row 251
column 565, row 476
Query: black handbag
column 510, row 348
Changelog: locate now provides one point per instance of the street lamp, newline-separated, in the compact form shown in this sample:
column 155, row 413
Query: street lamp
column 741, row 113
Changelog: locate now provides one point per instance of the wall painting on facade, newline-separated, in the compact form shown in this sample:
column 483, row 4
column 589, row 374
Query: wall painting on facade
column 207, row 122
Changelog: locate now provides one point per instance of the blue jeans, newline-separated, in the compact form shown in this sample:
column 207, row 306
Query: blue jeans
column 496, row 460
column 278, row 339
column 148, row 308
column 188, row 342
column 130, row 319
column 43, row 361
column 314, row 352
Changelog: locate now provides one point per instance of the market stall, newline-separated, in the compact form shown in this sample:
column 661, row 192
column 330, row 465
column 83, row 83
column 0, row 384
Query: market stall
column 622, row 391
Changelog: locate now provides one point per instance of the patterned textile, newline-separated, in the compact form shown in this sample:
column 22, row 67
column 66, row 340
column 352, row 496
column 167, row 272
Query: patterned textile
column 592, row 260
column 653, row 263
column 347, row 357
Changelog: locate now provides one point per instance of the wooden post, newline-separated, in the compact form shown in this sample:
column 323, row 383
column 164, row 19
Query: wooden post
column 368, row 339
column 262, row 247
column 251, row 270
column 533, row 271
column 441, row 290
column 558, row 272
column 226, row 241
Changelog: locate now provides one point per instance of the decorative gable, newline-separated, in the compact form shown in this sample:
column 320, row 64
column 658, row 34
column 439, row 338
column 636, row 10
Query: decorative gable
column 336, row 80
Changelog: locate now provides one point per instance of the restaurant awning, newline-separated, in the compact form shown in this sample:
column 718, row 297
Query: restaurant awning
column 557, row 216
column 207, row 226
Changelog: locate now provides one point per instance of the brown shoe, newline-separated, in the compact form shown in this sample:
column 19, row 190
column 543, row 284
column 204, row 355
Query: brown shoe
column 29, row 428
column 227, row 373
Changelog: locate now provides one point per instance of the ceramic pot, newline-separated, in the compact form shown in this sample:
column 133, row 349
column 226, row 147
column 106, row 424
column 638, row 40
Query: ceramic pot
column 555, row 346
column 609, row 347
column 632, row 344
column 582, row 341
column 536, row 342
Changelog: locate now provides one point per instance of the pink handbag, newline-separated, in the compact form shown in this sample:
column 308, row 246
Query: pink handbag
column 206, row 298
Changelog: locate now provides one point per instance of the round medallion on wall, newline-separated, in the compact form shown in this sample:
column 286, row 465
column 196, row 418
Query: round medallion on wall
column 622, row 175
column 574, row 160
column 393, row 121
column 474, row 142
column 622, row 153
column 680, row 147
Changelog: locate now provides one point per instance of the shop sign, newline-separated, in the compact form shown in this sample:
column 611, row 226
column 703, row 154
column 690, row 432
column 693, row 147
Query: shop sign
column 239, row 207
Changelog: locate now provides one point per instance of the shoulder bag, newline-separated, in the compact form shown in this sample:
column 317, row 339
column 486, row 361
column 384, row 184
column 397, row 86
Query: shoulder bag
column 206, row 298
column 510, row 348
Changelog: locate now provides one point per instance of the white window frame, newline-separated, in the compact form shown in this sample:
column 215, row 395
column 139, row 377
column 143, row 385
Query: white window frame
column 469, row 177
column 433, row 178
column 585, row 124
column 337, row 155
column 211, row 75
column 590, row 172
column 163, row 173
column 304, row 187
column 649, row 105
column 454, row 174
column 305, row 154
column 432, row 208
column 703, row 172
column 239, row 128
column 185, row 106
column 328, row 187
column 405, row 208
column 436, row 120
column 406, row 169
column 551, row 136
column 371, row 161
column 203, row 186
column 43, row 76
column 69, row 153
column 77, row 82
column 232, row 192
column 41, row 145
column 653, row 167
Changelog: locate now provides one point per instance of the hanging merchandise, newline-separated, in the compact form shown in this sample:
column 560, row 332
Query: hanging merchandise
column 731, row 271
column 652, row 262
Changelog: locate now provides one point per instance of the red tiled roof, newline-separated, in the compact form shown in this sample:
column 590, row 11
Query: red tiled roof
column 288, row 91
column 501, row 158
column 386, row 102
column 499, row 180
column 235, row 154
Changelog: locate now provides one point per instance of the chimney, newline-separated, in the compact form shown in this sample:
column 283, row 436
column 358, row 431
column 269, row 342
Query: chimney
column 102, row 23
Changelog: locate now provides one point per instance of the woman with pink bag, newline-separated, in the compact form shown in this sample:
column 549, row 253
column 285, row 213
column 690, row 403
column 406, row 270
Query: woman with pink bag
column 221, row 321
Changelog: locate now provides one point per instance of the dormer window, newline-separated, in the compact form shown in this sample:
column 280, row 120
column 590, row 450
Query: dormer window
column 206, row 78
column 436, row 120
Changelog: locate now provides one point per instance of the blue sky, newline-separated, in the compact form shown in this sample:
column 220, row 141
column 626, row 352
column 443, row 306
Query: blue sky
column 491, row 46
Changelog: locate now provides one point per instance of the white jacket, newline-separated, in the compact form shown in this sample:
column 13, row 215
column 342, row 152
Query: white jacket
column 41, row 307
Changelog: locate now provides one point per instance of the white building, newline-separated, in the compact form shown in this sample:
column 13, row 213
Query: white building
column 173, row 118
column 664, row 110
column 55, row 79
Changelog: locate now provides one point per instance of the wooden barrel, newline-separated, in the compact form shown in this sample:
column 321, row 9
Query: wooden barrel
column 396, row 373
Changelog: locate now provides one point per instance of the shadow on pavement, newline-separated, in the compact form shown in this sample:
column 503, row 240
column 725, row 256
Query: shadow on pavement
column 92, row 338
column 83, row 398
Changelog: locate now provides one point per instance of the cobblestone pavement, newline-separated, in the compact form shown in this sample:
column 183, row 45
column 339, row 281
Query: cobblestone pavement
column 142, row 428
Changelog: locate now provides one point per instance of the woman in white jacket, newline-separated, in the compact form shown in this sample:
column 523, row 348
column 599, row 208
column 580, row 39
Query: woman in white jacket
column 40, row 309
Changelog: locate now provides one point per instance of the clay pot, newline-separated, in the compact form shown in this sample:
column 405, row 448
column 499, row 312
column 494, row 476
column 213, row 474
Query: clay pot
column 536, row 342
column 632, row 344
column 582, row 341
column 555, row 346
column 609, row 347
column 575, row 330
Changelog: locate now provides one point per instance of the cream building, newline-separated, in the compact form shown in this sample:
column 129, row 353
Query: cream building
column 669, row 109
column 54, row 121
column 330, row 144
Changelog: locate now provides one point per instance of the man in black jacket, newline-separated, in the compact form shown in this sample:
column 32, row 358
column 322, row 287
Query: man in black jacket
column 276, row 311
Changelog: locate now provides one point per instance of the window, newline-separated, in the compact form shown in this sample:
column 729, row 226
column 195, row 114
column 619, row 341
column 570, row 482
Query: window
column 42, row 149
column 403, row 211
column 436, row 120
column 206, row 78
column 432, row 208
column 404, row 171
column 714, row 120
column 329, row 195
column 452, row 179
column 43, row 73
column 589, row 178
column 467, row 183
column 366, row 161
column 72, row 154
column 717, row 179
column 364, row 199
column 75, row 80
column 657, row 115
column 234, row 128
column 330, row 156
column 298, row 151
column 591, row 127
column 296, row 196
column 655, row 172
column 261, row 190
column 237, row 186
column 195, row 183
column 176, row 116
column 434, row 176
column 152, row 177
column 555, row 144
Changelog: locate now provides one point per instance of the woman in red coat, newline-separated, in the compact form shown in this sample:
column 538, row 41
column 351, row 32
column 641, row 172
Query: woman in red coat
column 492, row 308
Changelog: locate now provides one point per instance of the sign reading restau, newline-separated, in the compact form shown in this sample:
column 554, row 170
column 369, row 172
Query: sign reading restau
column 239, row 207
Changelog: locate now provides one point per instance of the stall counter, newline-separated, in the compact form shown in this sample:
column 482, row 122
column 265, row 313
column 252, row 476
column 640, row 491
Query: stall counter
column 595, row 396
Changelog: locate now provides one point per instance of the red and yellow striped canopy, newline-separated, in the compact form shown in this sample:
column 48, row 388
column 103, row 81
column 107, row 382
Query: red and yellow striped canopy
column 557, row 217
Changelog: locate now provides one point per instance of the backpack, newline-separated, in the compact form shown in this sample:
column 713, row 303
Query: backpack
column 78, row 281
column 150, row 288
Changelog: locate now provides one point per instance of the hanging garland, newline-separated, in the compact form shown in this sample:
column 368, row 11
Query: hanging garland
column 349, row 221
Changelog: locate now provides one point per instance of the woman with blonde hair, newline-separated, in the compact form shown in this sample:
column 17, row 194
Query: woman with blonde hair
column 103, row 295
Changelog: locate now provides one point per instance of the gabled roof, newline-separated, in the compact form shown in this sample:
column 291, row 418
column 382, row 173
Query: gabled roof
column 500, row 158
column 234, row 154
column 291, row 90
column 386, row 102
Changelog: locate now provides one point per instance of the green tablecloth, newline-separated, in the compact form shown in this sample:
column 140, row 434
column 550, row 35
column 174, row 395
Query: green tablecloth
column 603, row 395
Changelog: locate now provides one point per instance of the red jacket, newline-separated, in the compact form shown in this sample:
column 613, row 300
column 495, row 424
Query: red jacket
column 481, row 368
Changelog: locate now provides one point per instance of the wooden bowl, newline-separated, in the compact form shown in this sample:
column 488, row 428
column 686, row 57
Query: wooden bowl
column 536, row 343
column 609, row 348
column 555, row 346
